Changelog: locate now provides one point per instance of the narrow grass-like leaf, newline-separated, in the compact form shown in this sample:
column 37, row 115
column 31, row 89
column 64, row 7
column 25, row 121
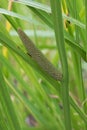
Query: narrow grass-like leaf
column 16, row 15
column 86, row 23
column 4, row 114
column 8, row 103
column 76, row 47
column 38, row 7
column 35, row 4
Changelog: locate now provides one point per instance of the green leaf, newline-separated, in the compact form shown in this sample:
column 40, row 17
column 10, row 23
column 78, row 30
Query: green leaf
column 8, row 103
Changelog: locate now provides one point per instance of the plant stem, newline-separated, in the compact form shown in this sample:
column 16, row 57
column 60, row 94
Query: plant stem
column 58, row 27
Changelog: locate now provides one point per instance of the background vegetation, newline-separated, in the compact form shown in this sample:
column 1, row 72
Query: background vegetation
column 30, row 99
